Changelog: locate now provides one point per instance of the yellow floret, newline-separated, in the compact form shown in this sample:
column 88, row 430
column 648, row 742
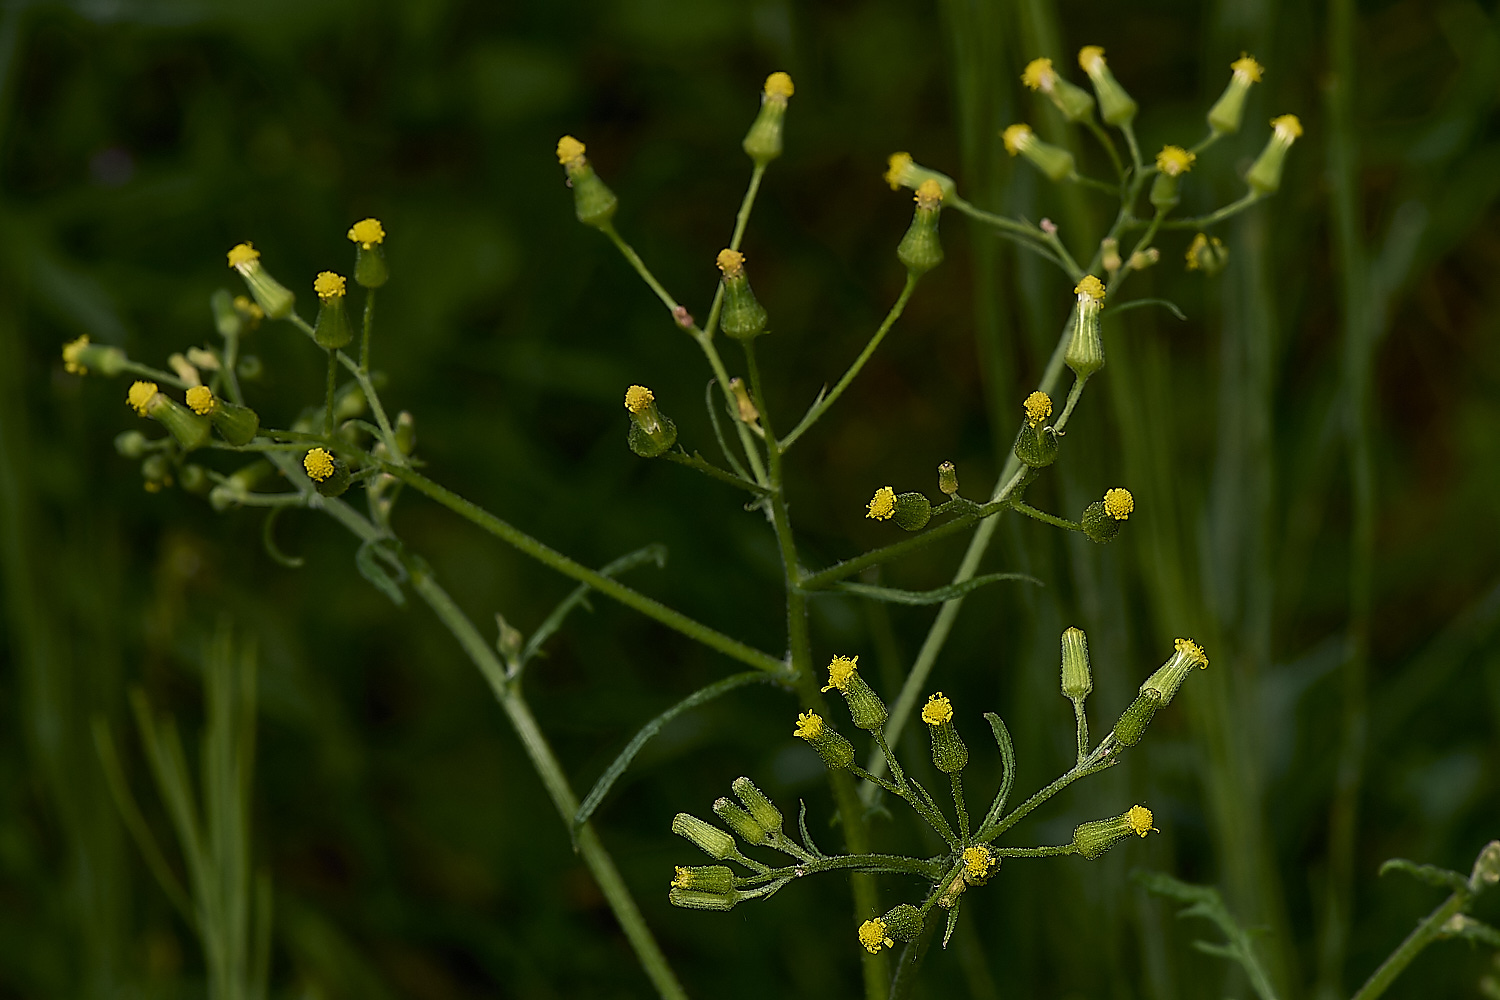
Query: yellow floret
column 637, row 398
column 731, row 263
column 569, row 149
column 1017, row 137
column 1288, row 127
column 329, row 285
column 883, row 504
column 1118, row 503
column 896, row 169
column 938, row 710
column 1174, row 161
column 1139, row 819
column 1246, row 68
column 1090, row 58
column 1039, row 74
column 140, row 394
column 779, row 85
column 367, row 233
column 1038, row 407
column 319, row 464
column 873, row 936
column 841, row 670
column 978, row 860
column 201, row 399
column 242, row 255
column 929, row 195
column 1090, row 286
column 72, row 351
column 809, row 725
column 1193, row 651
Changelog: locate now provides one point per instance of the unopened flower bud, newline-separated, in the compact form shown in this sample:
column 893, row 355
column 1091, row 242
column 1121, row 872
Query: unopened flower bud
column 1486, row 873
column 865, row 707
column 903, row 172
column 949, row 754
column 1265, row 174
column 1085, row 354
column 1135, row 719
column 1142, row 259
column 237, row 424
column 1109, row 254
column 707, row 837
column 837, row 752
column 1207, row 254
column 1186, row 655
column 763, row 142
column 593, row 203
column 651, row 433
column 740, row 821
column 1171, row 163
column 1229, row 110
column 742, row 317
column 1077, row 678
column 948, row 479
column 156, row 471
column 80, row 357
column 368, row 237
column 920, row 249
column 272, row 296
column 1102, row 521
column 406, row 431
column 331, row 330
column 1115, row 106
column 329, row 473
column 131, row 444
column 1054, row 161
column 1094, row 838
column 194, row 479
column 1073, row 101
column 756, row 803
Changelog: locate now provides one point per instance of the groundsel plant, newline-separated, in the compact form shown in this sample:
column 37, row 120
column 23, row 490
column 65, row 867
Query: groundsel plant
column 348, row 444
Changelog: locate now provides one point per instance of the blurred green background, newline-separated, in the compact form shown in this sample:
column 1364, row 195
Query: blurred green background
column 1313, row 454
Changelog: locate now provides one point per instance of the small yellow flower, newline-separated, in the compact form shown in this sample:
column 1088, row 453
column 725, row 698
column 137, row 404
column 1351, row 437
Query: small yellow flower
column 683, row 879
column 873, row 936
column 1288, row 128
column 978, row 860
column 779, row 86
column 731, row 263
column 1091, row 287
column 1247, row 69
column 1193, row 651
column 328, row 285
column 243, row 256
column 929, row 195
column 367, row 233
column 140, row 394
column 896, row 169
column 883, row 504
column 319, row 464
column 201, row 399
column 569, row 150
column 1017, row 137
column 1091, row 58
column 1038, row 407
column 637, row 398
column 1118, row 503
column 841, row 670
column 938, row 710
column 1139, row 821
column 71, row 353
column 1174, row 161
column 1039, row 74
column 809, row 725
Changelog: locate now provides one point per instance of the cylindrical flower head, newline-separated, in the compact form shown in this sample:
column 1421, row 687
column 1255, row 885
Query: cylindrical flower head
column 1171, row 163
column 1054, row 161
column 237, row 424
column 756, row 803
column 1102, row 521
column 1077, row 678
column 274, row 297
column 1094, row 838
column 1207, row 254
column 1115, row 106
column 903, row 922
column 368, row 237
column 1265, row 174
column 707, row 837
column 692, row 899
column 837, row 752
column 741, row 822
column 902, row 171
column 187, row 428
column 1229, row 110
column 742, row 317
column 1136, row 718
column 1085, row 354
column 948, row 479
column 913, row 510
column 593, row 203
column 1036, row 443
column 949, row 754
column 865, row 707
column 1186, row 655
column 651, row 433
column 80, row 357
column 763, row 142
column 329, row 473
column 331, row 330
column 707, row 878
column 920, row 249
column 1073, row 101
column 979, row 861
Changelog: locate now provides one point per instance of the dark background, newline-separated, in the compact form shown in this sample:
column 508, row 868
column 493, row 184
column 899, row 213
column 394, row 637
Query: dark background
column 412, row 849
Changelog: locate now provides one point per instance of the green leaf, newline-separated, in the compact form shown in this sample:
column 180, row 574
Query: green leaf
column 1209, row 905
column 1007, row 770
column 268, row 539
column 654, row 552
column 938, row 596
column 368, row 558
column 1431, row 874
column 807, row 840
column 1136, row 303
column 952, row 922
column 713, row 416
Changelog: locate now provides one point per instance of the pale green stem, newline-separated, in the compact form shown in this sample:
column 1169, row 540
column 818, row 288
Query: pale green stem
column 1425, row 933
column 369, row 325
column 1204, row 221
column 1108, row 144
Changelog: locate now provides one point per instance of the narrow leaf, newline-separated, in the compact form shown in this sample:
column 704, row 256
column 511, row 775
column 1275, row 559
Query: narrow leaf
column 368, row 558
column 268, row 539
column 1007, row 770
column 807, row 840
column 938, row 596
column 713, row 416
column 1136, row 303
column 1431, row 874
column 654, row 552
column 952, row 923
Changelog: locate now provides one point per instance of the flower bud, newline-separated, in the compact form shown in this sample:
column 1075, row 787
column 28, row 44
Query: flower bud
column 1094, row 838
column 693, row 900
column 1265, row 174
column 368, row 237
column 1085, row 353
column 406, row 431
column 865, row 707
column 189, row 429
column 1115, row 106
column 912, row 511
column 329, row 473
column 593, row 202
column 1207, row 254
column 707, row 837
column 948, row 479
column 156, row 470
column 1486, row 872
column 1073, row 101
column 1109, row 255
column 949, row 754
column 1142, row 259
column 920, row 249
column 80, row 357
column 1077, row 678
column 741, row 822
column 228, row 320
column 763, row 142
column 743, row 317
column 709, row 878
column 756, row 803
column 1054, row 161
column 194, row 479
column 837, row 752
column 1170, row 675
column 1171, row 163
column 650, row 432
column 331, row 330
column 1229, row 110
column 1136, row 718
column 979, row 861
column 1036, row 442
column 902, row 171
column 1102, row 521
column 131, row 444
column 742, row 402
column 237, row 424
column 272, row 296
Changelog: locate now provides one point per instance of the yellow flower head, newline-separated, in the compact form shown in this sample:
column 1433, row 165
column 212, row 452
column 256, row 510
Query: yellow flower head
column 841, row 670
column 731, row 263
column 1039, row 74
column 1139, row 820
column 1193, row 651
column 1118, row 503
column 873, row 936
column 683, row 879
column 1091, row 58
column 1288, row 128
column 329, row 285
column 1091, row 287
column 978, row 860
column 569, row 150
column 938, row 710
column 1017, row 137
column 201, row 399
column 896, row 168
column 72, row 351
column 1038, row 407
column 637, row 398
column 1174, row 161
column 929, row 195
column 1247, row 69
column 319, row 464
column 882, row 504
column 243, row 255
column 779, row 86
column 809, row 725
column 367, row 233
column 140, row 394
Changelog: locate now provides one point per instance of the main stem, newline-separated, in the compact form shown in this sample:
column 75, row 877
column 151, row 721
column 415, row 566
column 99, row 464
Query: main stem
column 1425, row 933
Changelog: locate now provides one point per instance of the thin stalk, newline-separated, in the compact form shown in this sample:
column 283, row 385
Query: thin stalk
column 1218, row 215
column 1102, row 758
column 1083, row 730
column 369, row 325
column 231, row 360
column 1093, row 126
column 886, row 863
column 1110, row 189
column 1024, row 508
column 1034, row 852
column 1135, row 154
column 366, row 386
column 1029, row 236
column 1425, row 933
column 960, row 805
column 333, row 371
column 154, row 374
column 706, row 467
